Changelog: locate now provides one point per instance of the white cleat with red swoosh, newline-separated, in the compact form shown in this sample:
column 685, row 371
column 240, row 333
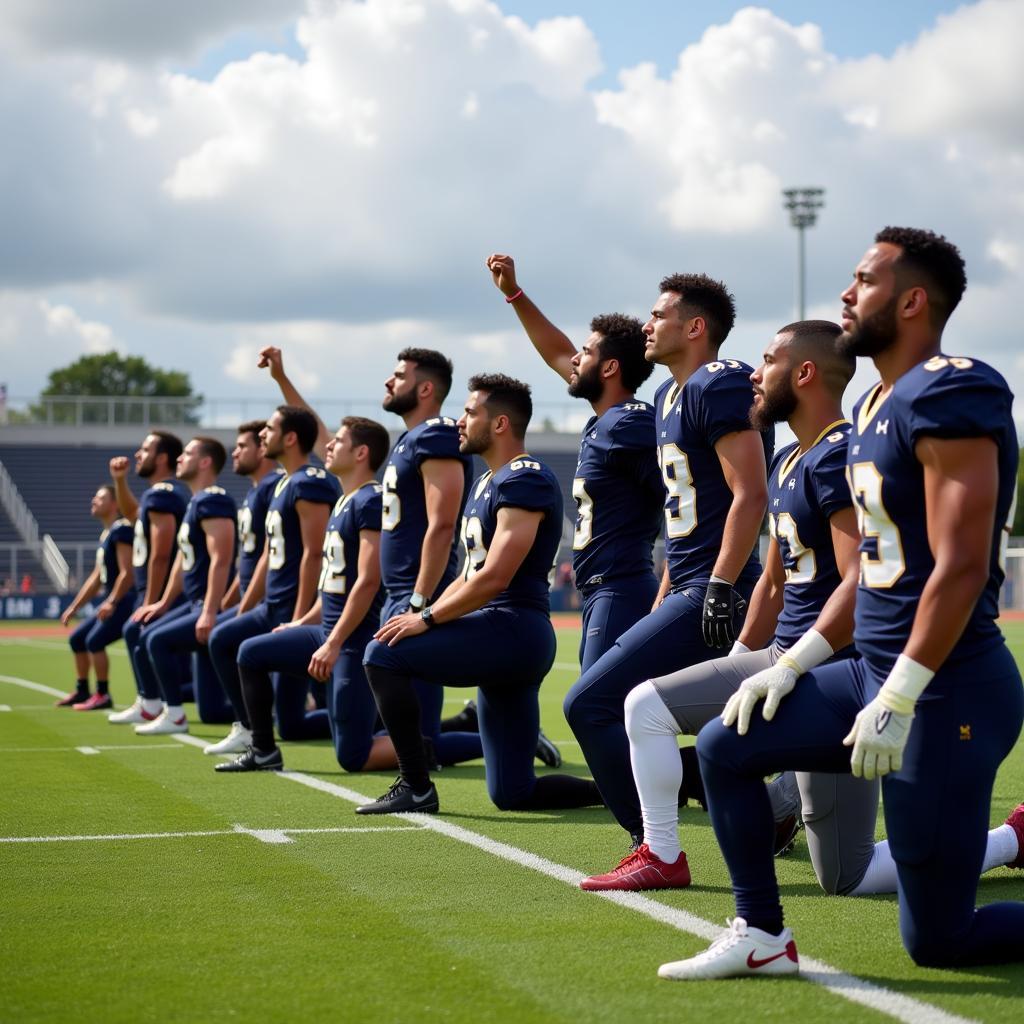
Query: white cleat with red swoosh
column 741, row 952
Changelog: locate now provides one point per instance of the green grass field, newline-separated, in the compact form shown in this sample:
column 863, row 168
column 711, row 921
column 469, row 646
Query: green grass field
column 172, row 913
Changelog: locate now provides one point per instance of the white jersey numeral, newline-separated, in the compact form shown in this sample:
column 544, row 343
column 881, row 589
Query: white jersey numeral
column 332, row 572
column 391, row 514
column 188, row 552
column 246, row 533
column 473, row 543
column 681, row 506
column 805, row 566
column 584, row 515
column 140, row 549
column 887, row 564
column 275, row 540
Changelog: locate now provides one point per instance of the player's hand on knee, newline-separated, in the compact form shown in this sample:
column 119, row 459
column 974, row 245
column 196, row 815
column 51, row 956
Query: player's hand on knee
column 722, row 608
column 769, row 685
column 321, row 665
column 878, row 738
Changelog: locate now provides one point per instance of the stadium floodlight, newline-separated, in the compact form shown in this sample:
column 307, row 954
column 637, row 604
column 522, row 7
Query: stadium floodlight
column 803, row 205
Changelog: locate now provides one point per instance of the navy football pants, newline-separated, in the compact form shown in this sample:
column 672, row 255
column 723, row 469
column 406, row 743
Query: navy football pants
column 609, row 609
column 95, row 634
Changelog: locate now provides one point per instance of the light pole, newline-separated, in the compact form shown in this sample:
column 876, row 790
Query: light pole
column 803, row 205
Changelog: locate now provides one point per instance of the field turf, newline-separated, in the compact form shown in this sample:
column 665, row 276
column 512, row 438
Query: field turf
column 189, row 896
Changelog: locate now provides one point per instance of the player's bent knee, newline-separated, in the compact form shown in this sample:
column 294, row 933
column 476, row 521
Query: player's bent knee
column 646, row 713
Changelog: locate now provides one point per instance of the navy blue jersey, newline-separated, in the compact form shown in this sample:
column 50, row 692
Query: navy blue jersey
column 210, row 503
column 252, row 527
column 944, row 397
column 405, row 511
column 715, row 401
column 360, row 510
column 522, row 483
column 284, row 531
column 171, row 496
column 619, row 495
column 804, row 492
column 119, row 532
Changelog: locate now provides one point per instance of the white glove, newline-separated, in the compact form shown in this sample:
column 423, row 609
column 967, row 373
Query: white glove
column 880, row 730
column 739, row 647
column 878, row 737
column 770, row 685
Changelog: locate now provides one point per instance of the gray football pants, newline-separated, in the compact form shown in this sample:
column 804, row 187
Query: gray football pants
column 839, row 811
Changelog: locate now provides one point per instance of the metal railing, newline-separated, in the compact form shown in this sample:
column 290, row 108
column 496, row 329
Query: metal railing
column 109, row 410
column 44, row 548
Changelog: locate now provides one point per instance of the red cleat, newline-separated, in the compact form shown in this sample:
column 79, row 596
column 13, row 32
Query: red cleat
column 1016, row 822
column 642, row 870
column 97, row 702
column 70, row 700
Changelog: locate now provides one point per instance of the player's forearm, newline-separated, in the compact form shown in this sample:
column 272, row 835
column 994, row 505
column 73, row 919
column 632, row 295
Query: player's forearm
column 472, row 595
column 290, row 393
column 121, row 586
column 360, row 599
column 946, row 604
column 125, row 499
column 156, row 577
column 742, row 526
column 216, row 584
column 309, row 573
column 762, row 614
column 232, row 594
column 434, row 555
column 835, row 621
column 314, row 616
column 553, row 345
column 175, row 585
column 88, row 589
column 257, row 587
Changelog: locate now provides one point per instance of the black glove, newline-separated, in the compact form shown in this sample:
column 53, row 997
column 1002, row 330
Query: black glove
column 723, row 610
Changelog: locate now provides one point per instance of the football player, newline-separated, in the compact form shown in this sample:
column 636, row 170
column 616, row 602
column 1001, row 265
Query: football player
column 491, row 628
column 329, row 640
column 934, row 703
column 801, row 613
column 157, row 516
column 113, row 583
column 283, row 585
column 715, row 490
column 617, row 487
column 201, row 574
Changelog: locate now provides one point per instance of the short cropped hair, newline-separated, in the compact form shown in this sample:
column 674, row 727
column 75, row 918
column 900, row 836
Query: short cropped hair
column 506, row 396
column 931, row 261
column 433, row 365
column 623, row 338
column 108, row 489
column 252, row 427
column 210, row 446
column 703, row 296
column 372, row 434
column 301, row 422
column 169, row 444
column 818, row 341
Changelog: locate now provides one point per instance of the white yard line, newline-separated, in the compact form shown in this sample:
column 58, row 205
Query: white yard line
column 857, row 990
column 29, row 685
column 51, row 645
column 264, row 835
column 96, row 748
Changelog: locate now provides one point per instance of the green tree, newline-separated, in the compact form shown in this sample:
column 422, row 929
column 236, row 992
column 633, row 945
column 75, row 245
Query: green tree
column 129, row 379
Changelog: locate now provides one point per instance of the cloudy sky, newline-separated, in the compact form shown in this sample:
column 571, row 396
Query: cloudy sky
column 191, row 181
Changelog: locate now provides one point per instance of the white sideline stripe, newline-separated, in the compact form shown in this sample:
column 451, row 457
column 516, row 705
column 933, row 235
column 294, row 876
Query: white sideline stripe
column 29, row 685
column 50, row 645
column 237, row 830
column 192, row 741
column 96, row 749
column 5, row 707
column 848, row 986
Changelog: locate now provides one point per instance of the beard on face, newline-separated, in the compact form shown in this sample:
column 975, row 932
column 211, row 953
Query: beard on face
column 588, row 385
column 872, row 336
column 148, row 467
column 400, row 404
column 774, row 407
column 475, row 445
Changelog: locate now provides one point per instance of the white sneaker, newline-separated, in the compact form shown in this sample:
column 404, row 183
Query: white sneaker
column 741, row 952
column 134, row 715
column 163, row 725
column 236, row 742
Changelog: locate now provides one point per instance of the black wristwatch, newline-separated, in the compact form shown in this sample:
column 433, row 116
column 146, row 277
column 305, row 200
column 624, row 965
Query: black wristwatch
column 428, row 618
column 417, row 603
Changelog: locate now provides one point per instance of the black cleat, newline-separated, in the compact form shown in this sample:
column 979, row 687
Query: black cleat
column 467, row 720
column 785, row 834
column 692, row 787
column 547, row 752
column 400, row 799
column 253, row 761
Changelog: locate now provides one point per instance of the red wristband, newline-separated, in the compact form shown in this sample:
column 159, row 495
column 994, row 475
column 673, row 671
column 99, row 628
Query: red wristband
column 514, row 296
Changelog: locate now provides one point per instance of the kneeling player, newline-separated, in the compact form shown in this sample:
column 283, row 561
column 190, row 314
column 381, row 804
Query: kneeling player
column 492, row 627
column 328, row 641
column 113, row 583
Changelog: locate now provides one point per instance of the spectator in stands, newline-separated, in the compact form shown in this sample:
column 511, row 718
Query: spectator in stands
column 111, row 581
column 27, row 584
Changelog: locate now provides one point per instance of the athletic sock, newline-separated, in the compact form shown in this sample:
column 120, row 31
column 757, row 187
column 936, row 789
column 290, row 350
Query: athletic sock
column 553, row 792
column 102, row 687
column 152, row 706
column 175, row 712
column 400, row 710
column 258, row 694
column 82, row 687
column 880, row 875
column 1002, row 847
column 657, row 768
